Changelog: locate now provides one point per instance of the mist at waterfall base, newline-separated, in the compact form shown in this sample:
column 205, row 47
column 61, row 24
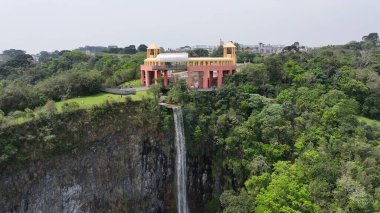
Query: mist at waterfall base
column 180, row 145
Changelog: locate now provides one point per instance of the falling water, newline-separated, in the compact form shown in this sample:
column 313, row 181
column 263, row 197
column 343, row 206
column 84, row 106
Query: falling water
column 180, row 161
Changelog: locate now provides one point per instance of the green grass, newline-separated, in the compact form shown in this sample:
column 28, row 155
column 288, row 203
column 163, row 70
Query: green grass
column 84, row 103
column 133, row 83
column 89, row 101
column 98, row 99
column 369, row 122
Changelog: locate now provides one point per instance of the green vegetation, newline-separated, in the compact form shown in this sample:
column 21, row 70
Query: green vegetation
column 198, row 52
column 369, row 122
column 293, row 132
column 133, row 83
column 55, row 133
column 88, row 102
column 60, row 76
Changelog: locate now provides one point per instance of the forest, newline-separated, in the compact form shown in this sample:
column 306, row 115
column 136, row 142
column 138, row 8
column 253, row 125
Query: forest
column 293, row 132
column 290, row 132
column 57, row 76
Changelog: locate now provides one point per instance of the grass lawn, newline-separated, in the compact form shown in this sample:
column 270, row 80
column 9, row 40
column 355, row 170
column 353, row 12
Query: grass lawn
column 84, row 103
column 133, row 83
column 89, row 101
column 369, row 122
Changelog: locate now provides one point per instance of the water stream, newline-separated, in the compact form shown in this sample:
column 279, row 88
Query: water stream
column 180, row 161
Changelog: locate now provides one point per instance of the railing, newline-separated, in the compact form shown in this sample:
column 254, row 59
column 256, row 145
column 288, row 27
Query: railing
column 118, row 91
column 170, row 67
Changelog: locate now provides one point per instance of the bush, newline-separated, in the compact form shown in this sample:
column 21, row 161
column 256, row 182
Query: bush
column 71, row 106
column 1, row 116
column 17, row 114
column 128, row 99
column 29, row 113
column 50, row 106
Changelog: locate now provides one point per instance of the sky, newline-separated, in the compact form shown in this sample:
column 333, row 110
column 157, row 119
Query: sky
column 36, row 25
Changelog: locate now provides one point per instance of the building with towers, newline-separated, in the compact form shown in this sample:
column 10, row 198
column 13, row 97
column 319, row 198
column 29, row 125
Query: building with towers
column 201, row 73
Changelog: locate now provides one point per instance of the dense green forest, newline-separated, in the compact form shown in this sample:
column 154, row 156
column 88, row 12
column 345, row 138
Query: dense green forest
column 61, row 75
column 293, row 132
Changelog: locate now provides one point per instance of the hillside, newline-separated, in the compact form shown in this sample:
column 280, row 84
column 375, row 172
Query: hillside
column 291, row 132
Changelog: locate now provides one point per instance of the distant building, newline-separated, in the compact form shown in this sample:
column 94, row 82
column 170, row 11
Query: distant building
column 184, row 49
column 262, row 49
column 209, row 48
column 35, row 59
column 305, row 49
column 93, row 49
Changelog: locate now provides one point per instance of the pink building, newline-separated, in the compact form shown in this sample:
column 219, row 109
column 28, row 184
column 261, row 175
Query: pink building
column 201, row 73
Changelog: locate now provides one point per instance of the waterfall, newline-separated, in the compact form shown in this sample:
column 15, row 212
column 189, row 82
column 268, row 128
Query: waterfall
column 180, row 161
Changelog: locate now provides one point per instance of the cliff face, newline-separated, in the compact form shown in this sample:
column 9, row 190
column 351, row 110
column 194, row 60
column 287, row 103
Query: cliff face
column 123, row 167
column 121, row 172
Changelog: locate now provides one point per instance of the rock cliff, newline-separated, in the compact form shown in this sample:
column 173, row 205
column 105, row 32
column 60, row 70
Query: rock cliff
column 123, row 164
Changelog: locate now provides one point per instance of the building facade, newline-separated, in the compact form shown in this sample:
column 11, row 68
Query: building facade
column 201, row 73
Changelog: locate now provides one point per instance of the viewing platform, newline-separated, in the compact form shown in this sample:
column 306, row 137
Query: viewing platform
column 202, row 72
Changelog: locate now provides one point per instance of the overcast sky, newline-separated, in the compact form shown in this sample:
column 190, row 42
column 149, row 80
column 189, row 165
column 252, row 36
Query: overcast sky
column 35, row 25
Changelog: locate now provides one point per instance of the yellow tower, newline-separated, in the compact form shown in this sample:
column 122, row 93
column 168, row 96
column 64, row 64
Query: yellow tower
column 152, row 51
column 229, row 51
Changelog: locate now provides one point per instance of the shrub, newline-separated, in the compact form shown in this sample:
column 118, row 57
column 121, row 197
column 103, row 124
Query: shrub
column 50, row 106
column 71, row 106
column 17, row 114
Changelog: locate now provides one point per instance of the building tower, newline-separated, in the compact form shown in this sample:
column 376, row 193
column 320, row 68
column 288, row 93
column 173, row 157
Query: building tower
column 152, row 51
column 229, row 51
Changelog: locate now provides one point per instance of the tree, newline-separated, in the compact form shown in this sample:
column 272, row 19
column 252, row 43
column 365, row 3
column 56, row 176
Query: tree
column 18, row 96
column 1, row 116
column 218, row 52
column 286, row 192
column 50, row 106
column 293, row 70
column 275, row 132
column 243, row 57
column 371, row 106
column 374, row 37
column 22, row 60
column 142, row 48
column 12, row 53
column 198, row 52
column 233, row 202
column 294, row 47
column 131, row 49
column 256, row 73
column 351, row 196
column 178, row 93
column 74, row 57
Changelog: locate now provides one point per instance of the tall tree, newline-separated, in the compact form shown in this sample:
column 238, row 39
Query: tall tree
column 371, row 37
column 142, row 48
column 198, row 52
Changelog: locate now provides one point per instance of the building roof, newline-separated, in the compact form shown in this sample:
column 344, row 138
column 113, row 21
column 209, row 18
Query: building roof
column 153, row 46
column 229, row 44
column 173, row 57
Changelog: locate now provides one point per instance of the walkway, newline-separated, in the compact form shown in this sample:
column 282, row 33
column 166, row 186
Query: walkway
column 123, row 91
